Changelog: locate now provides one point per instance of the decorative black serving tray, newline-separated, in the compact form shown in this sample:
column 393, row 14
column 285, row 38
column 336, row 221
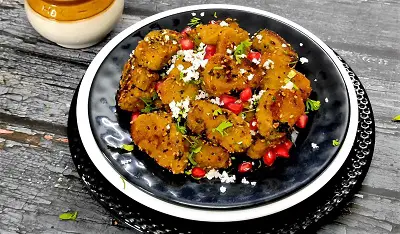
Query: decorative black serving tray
column 307, row 215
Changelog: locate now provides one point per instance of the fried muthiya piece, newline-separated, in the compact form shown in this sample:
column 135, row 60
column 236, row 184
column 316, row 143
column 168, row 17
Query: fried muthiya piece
column 258, row 149
column 131, row 99
column 230, row 37
column 222, row 36
column 164, row 144
column 277, row 107
column 276, row 70
column 212, row 156
column 201, row 120
column 136, row 83
column 176, row 90
column 303, row 84
column 206, row 33
column 222, row 75
column 157, row 48
column 267, row 41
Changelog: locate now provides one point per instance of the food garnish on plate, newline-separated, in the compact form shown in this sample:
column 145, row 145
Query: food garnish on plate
column 204, row 95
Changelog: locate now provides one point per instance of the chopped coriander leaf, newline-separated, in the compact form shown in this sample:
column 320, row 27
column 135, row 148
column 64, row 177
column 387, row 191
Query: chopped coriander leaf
column 396, row 118
column 191, row 160
column 189, row 172
column 291, row 74
column 222, row 126
column 69, row 216
column 181, row 75
column 312, row 105
column 217, row 112
column 194, row 150
column 335, row 142
column 241, row 50
column 197, row 150
column 181, row 128
column 215, row 14
column 196, row 81
column 218, row 68
column 149, row 104
column 128, row 147
column 123, row 181
column 273, row 98
column 194, row 21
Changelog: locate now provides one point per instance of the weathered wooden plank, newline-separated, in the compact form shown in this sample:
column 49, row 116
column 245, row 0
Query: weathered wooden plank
column 39, row 181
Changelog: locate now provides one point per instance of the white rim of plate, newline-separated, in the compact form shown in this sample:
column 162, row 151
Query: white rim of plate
column 104, row 166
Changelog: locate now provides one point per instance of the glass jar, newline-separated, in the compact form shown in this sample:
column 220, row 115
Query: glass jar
column 74, row 23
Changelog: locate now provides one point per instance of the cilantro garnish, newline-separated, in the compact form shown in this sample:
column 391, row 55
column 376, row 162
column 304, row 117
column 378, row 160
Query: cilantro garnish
column 181, row 75
column 215, row 14
column 149, row 102
column 222, row 126
column 194, row 151
column 312, row 105
column 123, row 181
column 335, row 142
column 241, row 49
column 194, row 21
column 217, row 112
column 127, row 147
column 179, row 127
column 396, row 118
column 291, row 74
column 69, row 216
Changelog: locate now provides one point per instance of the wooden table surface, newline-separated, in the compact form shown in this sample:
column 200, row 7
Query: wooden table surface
column 38, row 180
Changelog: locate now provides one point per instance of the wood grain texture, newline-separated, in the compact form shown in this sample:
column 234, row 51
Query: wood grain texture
column 37, row 80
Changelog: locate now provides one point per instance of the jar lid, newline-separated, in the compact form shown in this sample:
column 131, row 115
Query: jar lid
column 69, row 10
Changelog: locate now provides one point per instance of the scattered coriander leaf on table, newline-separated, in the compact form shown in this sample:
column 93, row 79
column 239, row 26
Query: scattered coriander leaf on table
column 396, row 118
column 69, row 216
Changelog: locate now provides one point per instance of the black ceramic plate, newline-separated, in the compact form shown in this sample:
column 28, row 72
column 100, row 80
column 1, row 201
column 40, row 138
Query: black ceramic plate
column 305, row 217
column 286, row 177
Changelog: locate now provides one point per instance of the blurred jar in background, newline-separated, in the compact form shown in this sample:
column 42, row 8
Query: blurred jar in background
column 74, row 23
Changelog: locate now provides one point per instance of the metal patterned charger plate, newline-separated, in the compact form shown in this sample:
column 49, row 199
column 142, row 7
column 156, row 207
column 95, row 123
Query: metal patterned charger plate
column 309, row 214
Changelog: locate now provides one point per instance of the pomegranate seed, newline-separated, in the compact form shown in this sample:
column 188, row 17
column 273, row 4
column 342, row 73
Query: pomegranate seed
column 211, row 49
column 253, row 124
column 302, row 121
column 246, row 94
column 281, row 151
column 288, row 144
column 198, row 172
column 158, row 85
column 235, row 107
column 186, row 44
column 207, row 56
column 253, row 55
column 245, row 167
column 226, row 99
column 134, row 116
column 186, row 30
column 269, row 158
